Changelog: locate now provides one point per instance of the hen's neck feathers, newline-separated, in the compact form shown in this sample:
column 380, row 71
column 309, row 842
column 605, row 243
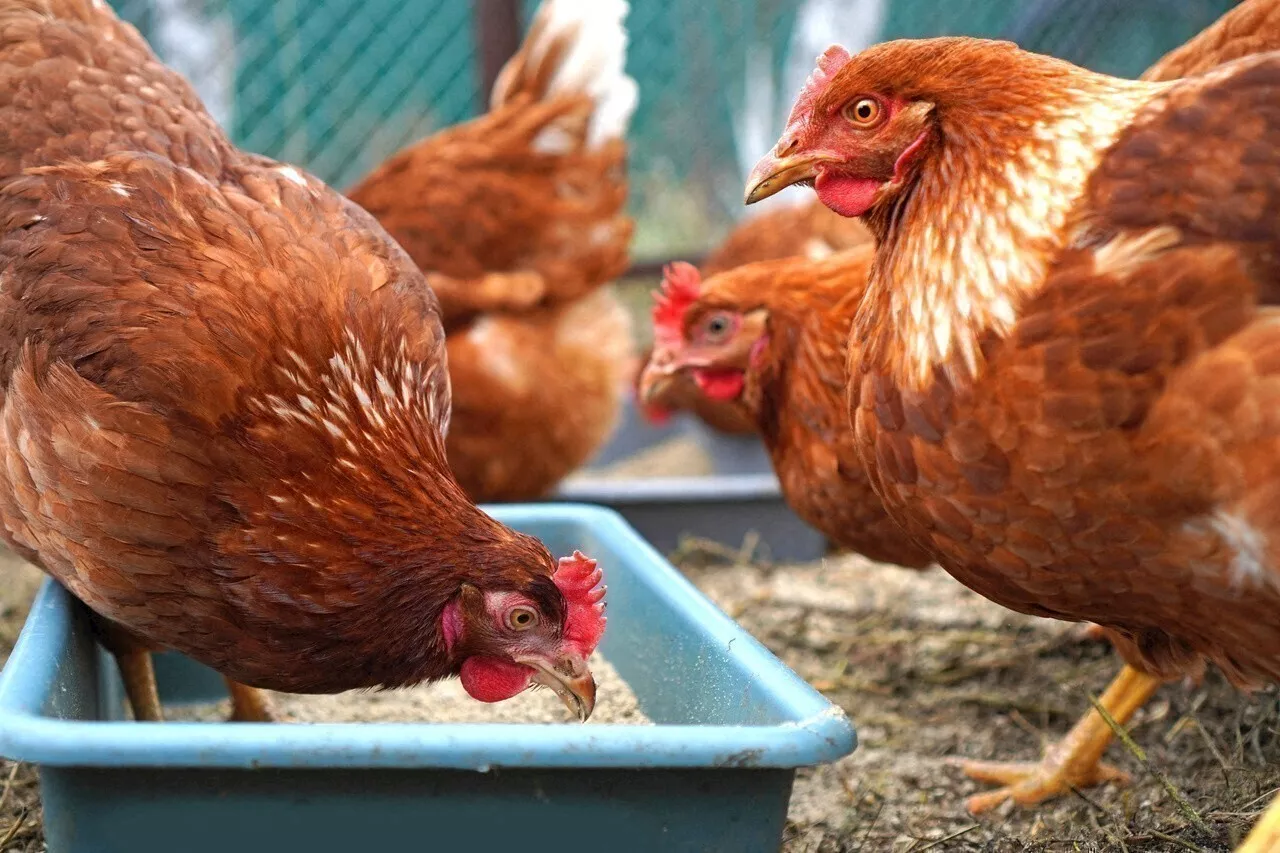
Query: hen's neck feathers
column 974, row 238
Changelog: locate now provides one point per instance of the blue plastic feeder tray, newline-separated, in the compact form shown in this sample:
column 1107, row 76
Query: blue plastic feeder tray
column 714, row 772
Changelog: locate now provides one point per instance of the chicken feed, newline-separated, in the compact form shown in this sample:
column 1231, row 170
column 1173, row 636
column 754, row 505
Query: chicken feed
column 444, row 702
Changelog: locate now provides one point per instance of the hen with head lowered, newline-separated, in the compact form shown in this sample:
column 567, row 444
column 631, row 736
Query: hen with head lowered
column 224, row 395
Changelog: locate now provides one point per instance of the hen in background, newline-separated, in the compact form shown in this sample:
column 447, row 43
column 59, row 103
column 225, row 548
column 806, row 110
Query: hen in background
column 768, row 340
column 1064, row 374
column 225, row 393
column 517, row 220
column 807, row 230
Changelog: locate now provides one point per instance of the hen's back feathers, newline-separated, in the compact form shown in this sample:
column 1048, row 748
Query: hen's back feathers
column 1252, row 27
column 523, row 206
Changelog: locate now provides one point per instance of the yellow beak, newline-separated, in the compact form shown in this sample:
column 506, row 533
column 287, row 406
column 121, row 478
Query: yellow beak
column 774, row 174
column 657, row 375
column 571, row 680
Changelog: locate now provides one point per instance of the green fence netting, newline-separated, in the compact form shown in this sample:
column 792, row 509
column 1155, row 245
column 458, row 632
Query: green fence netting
column 337, row 85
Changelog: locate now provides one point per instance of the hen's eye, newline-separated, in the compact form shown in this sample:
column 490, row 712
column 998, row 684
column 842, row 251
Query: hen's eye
column 521, row 618
column 864, row 112
column 718, row 326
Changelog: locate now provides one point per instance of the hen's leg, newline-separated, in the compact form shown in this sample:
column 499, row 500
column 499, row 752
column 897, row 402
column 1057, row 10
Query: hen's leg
column 248, row 704
column 1073, row 762
column 134, row 659
column 140, row 683
column 1091, row 633
column 1265, row 837
column 499, row 291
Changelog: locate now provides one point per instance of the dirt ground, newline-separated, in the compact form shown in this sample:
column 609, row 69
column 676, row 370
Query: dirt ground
column 930, row 671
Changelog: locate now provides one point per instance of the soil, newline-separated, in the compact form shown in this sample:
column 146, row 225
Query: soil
column 929, row 672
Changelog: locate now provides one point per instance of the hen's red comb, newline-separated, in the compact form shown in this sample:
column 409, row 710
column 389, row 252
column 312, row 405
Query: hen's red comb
column 681, row 284
column 578, row 579
column 829, row 63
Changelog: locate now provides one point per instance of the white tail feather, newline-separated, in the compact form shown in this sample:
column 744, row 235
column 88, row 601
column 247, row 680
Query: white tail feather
column 594, row 64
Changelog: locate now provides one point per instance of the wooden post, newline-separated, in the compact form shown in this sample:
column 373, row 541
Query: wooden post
column 497, row 39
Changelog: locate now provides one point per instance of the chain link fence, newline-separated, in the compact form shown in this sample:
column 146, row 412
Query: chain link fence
column 338, row 85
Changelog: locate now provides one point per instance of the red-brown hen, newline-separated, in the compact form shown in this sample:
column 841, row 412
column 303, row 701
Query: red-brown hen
column 517, row 219
column 769, row 339
column 224, row 396
column 1065, row 376
column 807, row 230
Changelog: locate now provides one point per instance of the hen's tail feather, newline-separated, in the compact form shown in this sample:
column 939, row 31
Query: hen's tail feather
column 576, row 47
column 1251, row 27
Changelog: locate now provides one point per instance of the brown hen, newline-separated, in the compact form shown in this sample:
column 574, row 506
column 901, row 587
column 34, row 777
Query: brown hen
column 224, row 396
column 1065, row 375
column 517, row 220
column 769, row 339
column 807, row 230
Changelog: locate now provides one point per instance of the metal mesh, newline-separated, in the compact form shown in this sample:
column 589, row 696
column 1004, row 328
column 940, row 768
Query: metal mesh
column 337, row 85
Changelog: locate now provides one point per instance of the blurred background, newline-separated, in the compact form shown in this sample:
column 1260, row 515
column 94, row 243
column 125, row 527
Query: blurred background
column 337, row 85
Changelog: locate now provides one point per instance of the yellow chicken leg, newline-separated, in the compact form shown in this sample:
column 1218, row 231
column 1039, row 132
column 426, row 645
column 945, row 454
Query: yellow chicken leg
column 1073, row 762
column 248, row 704
column 139, row 678
column 1265, row 837
column 133, row 657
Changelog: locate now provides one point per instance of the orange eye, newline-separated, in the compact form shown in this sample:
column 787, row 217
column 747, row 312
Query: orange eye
column 864, row 112
column 521, row 618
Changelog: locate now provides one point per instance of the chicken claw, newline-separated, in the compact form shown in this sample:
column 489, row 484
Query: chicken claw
column 1072, row 763
column 1029, row 782
column 1265, row 837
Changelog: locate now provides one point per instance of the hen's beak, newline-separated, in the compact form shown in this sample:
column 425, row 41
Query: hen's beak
column 657, row 375
column 570, row 679
column 774, row 174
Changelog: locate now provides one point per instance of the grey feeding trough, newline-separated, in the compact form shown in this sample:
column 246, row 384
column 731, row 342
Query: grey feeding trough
column 740, row 497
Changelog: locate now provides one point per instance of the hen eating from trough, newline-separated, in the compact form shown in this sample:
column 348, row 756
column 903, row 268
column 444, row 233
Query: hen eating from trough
column 225, row 393
column 1065, row 374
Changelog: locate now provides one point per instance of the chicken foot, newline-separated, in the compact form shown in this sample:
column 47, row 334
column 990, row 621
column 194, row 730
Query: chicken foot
column 1073, row 762
column 248, row 704
column 1265, row 836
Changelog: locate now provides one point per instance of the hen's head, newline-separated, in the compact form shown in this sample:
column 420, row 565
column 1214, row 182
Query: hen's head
column 503, row 640
column 863, row 125
column 696, row 333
